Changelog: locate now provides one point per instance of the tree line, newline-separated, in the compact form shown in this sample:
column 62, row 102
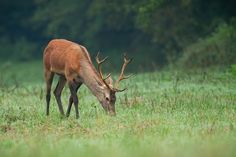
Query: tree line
column 189, row 32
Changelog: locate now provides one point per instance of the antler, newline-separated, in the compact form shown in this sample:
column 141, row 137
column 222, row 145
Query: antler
column 122, row 77
column 100, row 69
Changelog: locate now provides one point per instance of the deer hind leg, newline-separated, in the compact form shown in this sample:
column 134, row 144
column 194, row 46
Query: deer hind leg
column 72, row 86
column 49, row 78
column 77, row 86
column 57, row 93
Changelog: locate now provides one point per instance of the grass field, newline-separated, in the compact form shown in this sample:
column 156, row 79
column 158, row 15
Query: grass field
column 165, row 113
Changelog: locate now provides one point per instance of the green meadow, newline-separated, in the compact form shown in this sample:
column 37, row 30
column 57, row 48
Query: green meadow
column 163, row 113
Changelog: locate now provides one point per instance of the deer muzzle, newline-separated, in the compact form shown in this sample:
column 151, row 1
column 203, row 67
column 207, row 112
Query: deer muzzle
column 112, row 113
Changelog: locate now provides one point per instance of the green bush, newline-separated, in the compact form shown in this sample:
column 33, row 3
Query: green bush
column 233, row 69
column 217, row 49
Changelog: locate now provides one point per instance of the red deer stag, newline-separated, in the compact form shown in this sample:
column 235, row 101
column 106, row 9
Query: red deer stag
column 73, row 64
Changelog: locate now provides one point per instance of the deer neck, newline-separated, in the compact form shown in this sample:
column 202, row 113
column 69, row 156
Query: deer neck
column 91, row 78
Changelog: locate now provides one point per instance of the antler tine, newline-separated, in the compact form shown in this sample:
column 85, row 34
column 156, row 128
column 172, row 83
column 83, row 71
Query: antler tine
column 100, row 61
column 126, row 59
column 119, row 90
column 107, row 76
column 122, row 77
column 100, row 69
column 99, row 65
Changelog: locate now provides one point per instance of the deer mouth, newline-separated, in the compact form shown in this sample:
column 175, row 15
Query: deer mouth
column 112, row 113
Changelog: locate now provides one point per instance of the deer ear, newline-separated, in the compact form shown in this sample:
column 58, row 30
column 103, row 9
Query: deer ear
column 109, row 81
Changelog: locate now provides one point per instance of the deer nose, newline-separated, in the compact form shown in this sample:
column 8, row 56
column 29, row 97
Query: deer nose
column 112, row 113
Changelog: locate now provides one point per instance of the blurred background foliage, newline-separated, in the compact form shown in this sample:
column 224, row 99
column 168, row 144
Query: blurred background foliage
column 157, row 33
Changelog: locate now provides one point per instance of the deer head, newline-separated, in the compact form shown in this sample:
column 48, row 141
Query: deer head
column 108, row 96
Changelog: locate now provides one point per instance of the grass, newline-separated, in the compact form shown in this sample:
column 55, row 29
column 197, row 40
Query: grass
column 162, row 114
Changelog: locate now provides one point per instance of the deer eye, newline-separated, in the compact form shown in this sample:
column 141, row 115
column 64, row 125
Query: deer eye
column 107, row 99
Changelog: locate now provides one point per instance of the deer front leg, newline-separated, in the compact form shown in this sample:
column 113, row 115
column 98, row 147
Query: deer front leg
column 73, row 91
column 71, row 101
column 57, row 93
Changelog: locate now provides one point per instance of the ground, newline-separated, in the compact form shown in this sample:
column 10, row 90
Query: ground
column 164, row 113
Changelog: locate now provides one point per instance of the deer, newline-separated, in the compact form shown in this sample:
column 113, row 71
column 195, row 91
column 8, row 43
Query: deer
column 73, row 64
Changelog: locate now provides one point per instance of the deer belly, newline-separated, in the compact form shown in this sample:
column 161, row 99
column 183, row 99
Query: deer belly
column 57, row 71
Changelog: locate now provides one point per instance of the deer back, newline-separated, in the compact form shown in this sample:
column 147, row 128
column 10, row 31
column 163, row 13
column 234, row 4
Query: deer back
column 62, row 56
